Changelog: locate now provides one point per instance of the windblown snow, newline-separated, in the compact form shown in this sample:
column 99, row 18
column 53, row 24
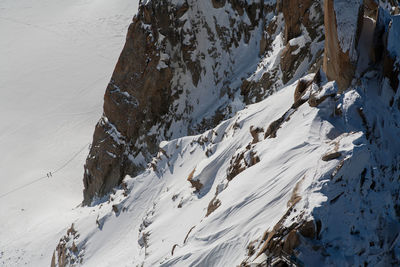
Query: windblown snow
column 55, row 59
column 159, row 218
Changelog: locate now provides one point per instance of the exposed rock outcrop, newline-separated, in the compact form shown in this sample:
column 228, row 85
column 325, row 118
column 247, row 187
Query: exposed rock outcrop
column 173, row 55
column 391, row 60
column 342, row 32
column 302, row 40
column 311, row 183
column 371, row 8
column 67, row 252
column 180, row 71
column 303, row 26
column 138, row 95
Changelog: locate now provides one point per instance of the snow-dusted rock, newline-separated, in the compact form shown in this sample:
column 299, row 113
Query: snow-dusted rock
column 188, row 65
column 343, row 23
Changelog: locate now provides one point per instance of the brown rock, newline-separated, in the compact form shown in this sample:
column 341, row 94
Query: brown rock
column 255, row 131
column 273, row 128
column 213, row 205
column 314, row 101
column 140, row 94
column 218, row 3
column 337, row 64
column 195, row 183
column 292, row 241
column 254, row 92
column 295, row 13
column 66, row 254
column 263, row 45
column 236, row 166
column 371, row 8
column 307, row 229
column 290, row 62
column 331, row 156
column 301, row 87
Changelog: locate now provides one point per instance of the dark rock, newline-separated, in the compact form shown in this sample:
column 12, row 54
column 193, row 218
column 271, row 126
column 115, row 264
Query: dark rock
column 371, row 8
column 301, row 87
column 308, row 230
column 331, row 156
column 212, row 206
column 292, row 241
column 295, row 13
column 67, row 253
column 218, row 3
column 195, row 183
column 383, row 20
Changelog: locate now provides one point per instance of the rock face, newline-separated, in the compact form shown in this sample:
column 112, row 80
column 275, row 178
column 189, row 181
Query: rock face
column 137, row 97
column 309, row 176
column 391, row 61
column 67, row 252
column 181, row 70
column 343, row 22
column 302, row 26
column 300, row 30
column 172, row 57
column 296, row 13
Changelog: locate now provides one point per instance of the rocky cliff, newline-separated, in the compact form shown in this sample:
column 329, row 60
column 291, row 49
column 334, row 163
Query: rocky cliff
column 186, row 66
column 293, row 111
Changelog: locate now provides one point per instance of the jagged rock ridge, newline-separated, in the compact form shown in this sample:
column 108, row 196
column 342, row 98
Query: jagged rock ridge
column 308, row 176
column 186, row 66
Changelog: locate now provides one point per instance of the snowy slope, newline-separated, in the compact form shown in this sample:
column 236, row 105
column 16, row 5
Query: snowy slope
column 162, row 213
column 163, row 206
column 233, row 195
column 189, row 208
column 55, row 59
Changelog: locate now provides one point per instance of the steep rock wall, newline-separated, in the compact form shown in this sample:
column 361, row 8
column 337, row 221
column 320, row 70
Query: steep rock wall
column 186, row 66
column 343, row 22
column 173, row 78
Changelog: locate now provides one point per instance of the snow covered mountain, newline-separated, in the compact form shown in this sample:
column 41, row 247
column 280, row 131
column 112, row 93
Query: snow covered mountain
column 183, row 71
column 245, row 133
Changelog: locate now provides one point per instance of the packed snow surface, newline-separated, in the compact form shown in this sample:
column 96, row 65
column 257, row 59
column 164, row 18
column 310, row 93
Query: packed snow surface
column 56, row 60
